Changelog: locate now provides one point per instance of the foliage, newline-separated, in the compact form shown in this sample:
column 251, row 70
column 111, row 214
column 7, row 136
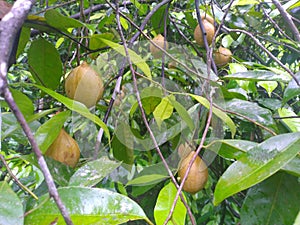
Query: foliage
column 244, row 115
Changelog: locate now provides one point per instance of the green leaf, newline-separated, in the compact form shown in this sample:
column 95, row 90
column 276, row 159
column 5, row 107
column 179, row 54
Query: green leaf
column 259, row 75
column 11, row 208
column 257, row 164
column 293, row 124
column 61, row 22
column 86, row 206
column 163, row 206
column 49, row 131
column 163, row 111
column 45, row 64
column 147, row 180
column 183, row 113
column 292, row 90
column 93, row 172
column 123, row 150
column 231, row 149
column 23, row 102
column 245, row 2
column 274, row 201
column 269, row 86
column 293, row 166
column 77, row 107
column 135, row 58
column 24, row 38
column 223, row 116
column 250, row 110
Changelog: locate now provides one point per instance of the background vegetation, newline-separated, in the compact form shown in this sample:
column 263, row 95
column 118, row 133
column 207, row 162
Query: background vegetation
column 242, row 118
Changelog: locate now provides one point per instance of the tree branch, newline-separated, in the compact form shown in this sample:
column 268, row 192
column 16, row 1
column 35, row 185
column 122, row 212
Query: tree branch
column 287, row 18
column 9, row 26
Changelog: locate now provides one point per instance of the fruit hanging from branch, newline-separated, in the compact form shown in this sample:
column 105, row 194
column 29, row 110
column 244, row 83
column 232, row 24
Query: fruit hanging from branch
column 222, row 56
column 158, row 40
column 64, row 149
column 85, row 85
column 197, row 176
column 208, row 24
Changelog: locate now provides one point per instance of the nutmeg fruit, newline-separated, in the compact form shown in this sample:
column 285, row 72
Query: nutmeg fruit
column 222, row 56
column 158, row 40
column 64, row 149
column 197, row 176
column 208, row 23
column 85, row 85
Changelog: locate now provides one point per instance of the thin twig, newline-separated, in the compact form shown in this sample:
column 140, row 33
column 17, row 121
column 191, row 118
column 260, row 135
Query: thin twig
column 247, row 118
column 266, row 51
column 287, row 19
column 16, row 179
column 145, row 118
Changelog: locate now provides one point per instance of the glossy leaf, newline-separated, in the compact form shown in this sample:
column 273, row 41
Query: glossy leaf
column 293, row 124
column 231, row 149
column 11, row 208
column 93, row 172
column 250, row 110
column 163, row 206
column 77, row 107
column 49, row 131
column 183, row 113
column 259, row 163
column 45, row 63
column 86, row 206
column 61, row 22
column 163, row 111
column 292, row 90
column 147, row 180
column 293, row 166
column 223, row 116
column 259, row 75
column 135, row 58
column 274, row 201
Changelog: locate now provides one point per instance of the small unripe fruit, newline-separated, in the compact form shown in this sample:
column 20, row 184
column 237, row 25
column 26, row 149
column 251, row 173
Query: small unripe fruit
column 84, row 84
column 64, row 149
column 158, row 40
column 197, row 176
column 222, row 56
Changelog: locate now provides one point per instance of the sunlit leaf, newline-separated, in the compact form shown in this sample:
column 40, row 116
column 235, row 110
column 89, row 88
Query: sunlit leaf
column 163, row 111
column 164, row 203
column 48, row 132
column 93, row 172
column 293, row 124
column 86, row 206
column 223, row 116
column 135, row 58
column 257, row 164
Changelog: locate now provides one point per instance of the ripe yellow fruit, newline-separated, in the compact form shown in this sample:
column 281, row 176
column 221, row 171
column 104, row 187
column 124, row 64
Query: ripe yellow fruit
column 85, row 85
column 197, row 176
column 222, row 56
column 64, row 149
column 158, row 40
column 208, row 23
